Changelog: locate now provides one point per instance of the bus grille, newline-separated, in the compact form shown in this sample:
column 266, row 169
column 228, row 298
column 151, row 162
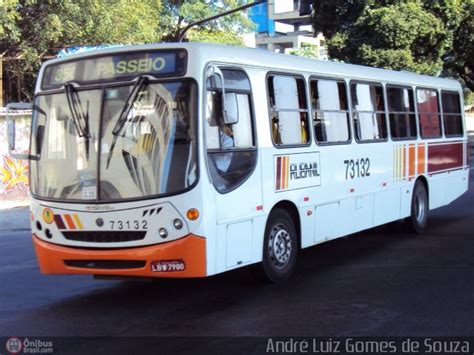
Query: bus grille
column 106, row 264
column 105, row 237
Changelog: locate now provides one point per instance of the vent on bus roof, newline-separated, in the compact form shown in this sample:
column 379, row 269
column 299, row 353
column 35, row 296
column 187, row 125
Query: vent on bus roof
column 104, row 237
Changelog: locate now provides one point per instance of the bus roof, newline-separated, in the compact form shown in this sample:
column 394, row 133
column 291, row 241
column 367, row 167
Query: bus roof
column 204, row 53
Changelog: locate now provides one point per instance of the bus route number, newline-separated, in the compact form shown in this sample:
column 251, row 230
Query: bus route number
column 356, row 168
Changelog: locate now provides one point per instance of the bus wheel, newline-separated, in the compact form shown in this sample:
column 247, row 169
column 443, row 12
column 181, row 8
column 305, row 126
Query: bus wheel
column 280, row 247
column 419, row 208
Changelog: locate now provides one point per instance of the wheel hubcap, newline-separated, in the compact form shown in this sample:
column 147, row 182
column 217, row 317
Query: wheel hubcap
column 279, row 246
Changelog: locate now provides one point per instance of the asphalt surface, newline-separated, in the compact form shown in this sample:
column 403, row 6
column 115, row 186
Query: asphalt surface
column 376, row 283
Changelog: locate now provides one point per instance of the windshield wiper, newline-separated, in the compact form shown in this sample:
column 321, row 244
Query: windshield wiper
column 80, row 119
column 136, row 89
column 141, row 82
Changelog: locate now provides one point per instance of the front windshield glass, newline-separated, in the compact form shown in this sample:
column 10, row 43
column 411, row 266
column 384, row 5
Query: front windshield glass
column 147, row 150
column 67, row 162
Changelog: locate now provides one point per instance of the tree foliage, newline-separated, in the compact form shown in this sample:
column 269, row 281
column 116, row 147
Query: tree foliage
column 36, row 26
column 29, row 29
column 412, row 35
column 32, row 28
column 459, row 60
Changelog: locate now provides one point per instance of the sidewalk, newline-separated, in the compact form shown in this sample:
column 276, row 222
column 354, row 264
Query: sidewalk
column 14, row 219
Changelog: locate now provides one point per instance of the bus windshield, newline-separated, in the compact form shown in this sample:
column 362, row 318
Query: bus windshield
column 119, row 142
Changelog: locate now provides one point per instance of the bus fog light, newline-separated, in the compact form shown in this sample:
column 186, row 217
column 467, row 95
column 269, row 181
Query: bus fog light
column 163, row 233
column 178, row 224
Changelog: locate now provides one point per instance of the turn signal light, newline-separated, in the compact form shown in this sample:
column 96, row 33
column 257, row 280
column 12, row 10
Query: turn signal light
column 192, row 214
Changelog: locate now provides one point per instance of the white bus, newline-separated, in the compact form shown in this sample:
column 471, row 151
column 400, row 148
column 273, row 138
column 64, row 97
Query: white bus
column 188, row 160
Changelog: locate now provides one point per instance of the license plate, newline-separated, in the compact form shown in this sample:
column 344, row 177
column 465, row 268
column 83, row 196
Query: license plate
column 167, row 266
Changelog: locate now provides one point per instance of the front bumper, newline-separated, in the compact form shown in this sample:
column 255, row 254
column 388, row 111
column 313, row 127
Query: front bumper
column 58, row 259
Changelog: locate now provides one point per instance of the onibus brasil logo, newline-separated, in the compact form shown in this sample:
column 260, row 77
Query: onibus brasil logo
column 29, row 346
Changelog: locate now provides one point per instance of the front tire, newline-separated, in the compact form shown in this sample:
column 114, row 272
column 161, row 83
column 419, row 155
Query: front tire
column 280, row 247
column 419, row 208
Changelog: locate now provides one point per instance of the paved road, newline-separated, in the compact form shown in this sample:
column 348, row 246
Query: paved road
column 377, row 282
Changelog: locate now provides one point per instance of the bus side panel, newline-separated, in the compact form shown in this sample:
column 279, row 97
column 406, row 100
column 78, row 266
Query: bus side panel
column 238, row 243
column 445, row 188
column 347, row 216
column 360, row 212
column 387, row 206
column 258, row 235
column 456, row 185
column 307, row 217
column 406, row 197
column 326, row 221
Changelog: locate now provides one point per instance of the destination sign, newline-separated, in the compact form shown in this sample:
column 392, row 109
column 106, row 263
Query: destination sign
column 117, row 66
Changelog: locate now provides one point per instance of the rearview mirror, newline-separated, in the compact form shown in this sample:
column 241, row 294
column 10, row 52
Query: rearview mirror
column 231, row 109
column 12, row 129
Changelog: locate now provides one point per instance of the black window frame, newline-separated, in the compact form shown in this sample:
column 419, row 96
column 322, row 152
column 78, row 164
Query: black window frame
column 414, row 112
column 308, row 112
column 253, row 149
column 385, row 112
column 349, row 111
column 418, row 118
column 461, row 114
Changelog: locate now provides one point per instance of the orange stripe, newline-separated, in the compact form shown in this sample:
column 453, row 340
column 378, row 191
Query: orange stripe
column 399, row 164
column 287, row 170
column 281, row 173
column 284, row 173
column 411, row 160
column 78, row 221
column 421, row 159
column 69, row 221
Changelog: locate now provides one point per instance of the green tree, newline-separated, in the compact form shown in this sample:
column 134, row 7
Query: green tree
column 420, row 36
column 29, row 29
column 37, row 26
column 459, row 59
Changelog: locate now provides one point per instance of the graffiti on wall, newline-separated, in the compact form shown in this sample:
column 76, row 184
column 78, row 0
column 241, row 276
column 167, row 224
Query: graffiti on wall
column 14, row 172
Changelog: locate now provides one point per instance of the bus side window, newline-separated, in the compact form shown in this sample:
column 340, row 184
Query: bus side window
column 330, row 111
column 428, row 113
column 452, row 114
column 401, row 112
column 288, row 110
column 369, row 112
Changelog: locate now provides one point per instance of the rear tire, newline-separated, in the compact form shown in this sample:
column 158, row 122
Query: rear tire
column 280, row 247
column 419, row 209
